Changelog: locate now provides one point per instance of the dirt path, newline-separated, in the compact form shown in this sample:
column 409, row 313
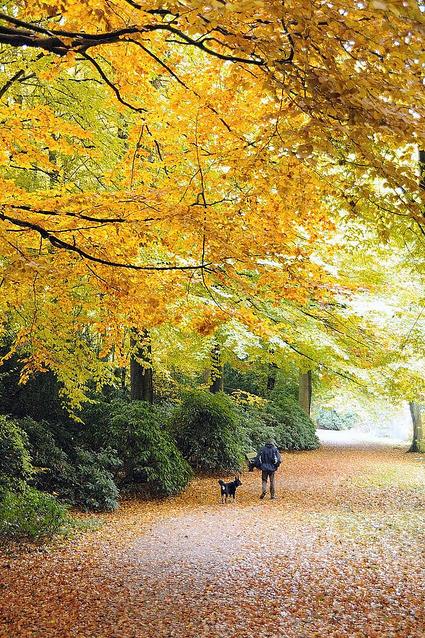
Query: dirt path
column 339, row 554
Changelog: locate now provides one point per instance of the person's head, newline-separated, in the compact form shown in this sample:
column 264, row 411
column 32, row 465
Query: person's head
column 271, row 442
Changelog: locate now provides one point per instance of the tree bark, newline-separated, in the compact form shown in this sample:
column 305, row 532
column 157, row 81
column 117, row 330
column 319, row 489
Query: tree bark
column 418, row 439
column 123, row 376
column 271, row 376
column 216, row 376
column 141, row 377
column 416, row 409
column 305, row 392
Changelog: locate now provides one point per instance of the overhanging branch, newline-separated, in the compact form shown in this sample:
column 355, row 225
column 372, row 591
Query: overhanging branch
column 56, row 242
column 61, row 42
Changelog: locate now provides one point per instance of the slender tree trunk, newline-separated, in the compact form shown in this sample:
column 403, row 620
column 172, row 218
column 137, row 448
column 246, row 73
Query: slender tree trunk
column 123, row 376
column 422, row 168
column 418, row 439
column 417, row 409
column 53, row 174
column 271, row 376
column 216, row 378
column 305, row 392
column 141, row 377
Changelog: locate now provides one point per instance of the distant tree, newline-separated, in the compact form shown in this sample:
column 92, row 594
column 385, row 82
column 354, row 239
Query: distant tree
column 418, row 439
column 305, row 391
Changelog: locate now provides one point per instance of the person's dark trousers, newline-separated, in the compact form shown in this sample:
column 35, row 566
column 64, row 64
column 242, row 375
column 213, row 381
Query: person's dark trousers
column 265, row 474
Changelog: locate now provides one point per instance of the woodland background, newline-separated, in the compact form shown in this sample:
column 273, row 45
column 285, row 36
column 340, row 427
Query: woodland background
column 208, row 211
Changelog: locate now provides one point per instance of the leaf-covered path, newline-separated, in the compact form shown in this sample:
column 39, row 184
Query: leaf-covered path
column 339, row 554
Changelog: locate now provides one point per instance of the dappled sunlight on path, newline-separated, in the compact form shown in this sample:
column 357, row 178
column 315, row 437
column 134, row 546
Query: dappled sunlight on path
column 339, row 554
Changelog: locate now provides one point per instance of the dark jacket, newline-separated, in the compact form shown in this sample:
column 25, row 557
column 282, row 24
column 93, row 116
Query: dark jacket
column 268, row 458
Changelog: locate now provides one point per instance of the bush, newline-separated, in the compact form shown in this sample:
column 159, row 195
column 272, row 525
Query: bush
column 258, row 425
column 294, row 430
column 50, row 462
column 151, row 462
column 208, row 433
column 282, row 420
column 286, row 386
column 79, row 477
column 15, row 460
column 252, row 380
column 89, row 482
column 38, row 397
column 331, row 420
column 31, row 514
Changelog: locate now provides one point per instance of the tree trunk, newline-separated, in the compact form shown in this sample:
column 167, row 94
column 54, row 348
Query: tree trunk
column 216, row 378
column 123, row 376
column 422, row 168
column 271, row 376
column 141, row 377
column 418, row 440
column 416, row 409
column 305, row 392
column 53, row 174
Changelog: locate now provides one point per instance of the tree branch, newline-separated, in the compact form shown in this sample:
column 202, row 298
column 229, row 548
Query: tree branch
column 138, row 109
column 61, row 244
column 100, row 220
column 9, row 83
column 28, row 34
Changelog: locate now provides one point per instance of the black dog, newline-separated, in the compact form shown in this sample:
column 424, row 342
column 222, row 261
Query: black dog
column 229, row 489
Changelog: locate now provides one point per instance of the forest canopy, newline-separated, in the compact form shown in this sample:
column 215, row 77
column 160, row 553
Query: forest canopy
column 191, row 167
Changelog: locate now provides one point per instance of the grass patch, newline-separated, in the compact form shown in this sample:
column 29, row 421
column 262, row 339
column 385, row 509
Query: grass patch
column 77, row 526
column 386, row 475
column 35, row 516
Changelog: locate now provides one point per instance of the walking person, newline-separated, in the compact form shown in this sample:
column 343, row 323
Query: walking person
column 268, row 460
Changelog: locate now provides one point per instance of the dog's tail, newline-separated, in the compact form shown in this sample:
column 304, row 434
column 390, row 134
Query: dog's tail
column 221, row 482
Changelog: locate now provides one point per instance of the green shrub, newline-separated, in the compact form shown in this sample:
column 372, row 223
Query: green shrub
column 256, row 378
column 89, row 482
column 253, row 379
column 79, row 476
column 282, row 420
column 286, row 386
column 31, row 514
column 150, row 456
column 38, row 397
column 151, row 462
column 329, row 419
column 294, row 429
column 208, row 433
column 259, row 426
column 51, row 463
column 15, row 460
